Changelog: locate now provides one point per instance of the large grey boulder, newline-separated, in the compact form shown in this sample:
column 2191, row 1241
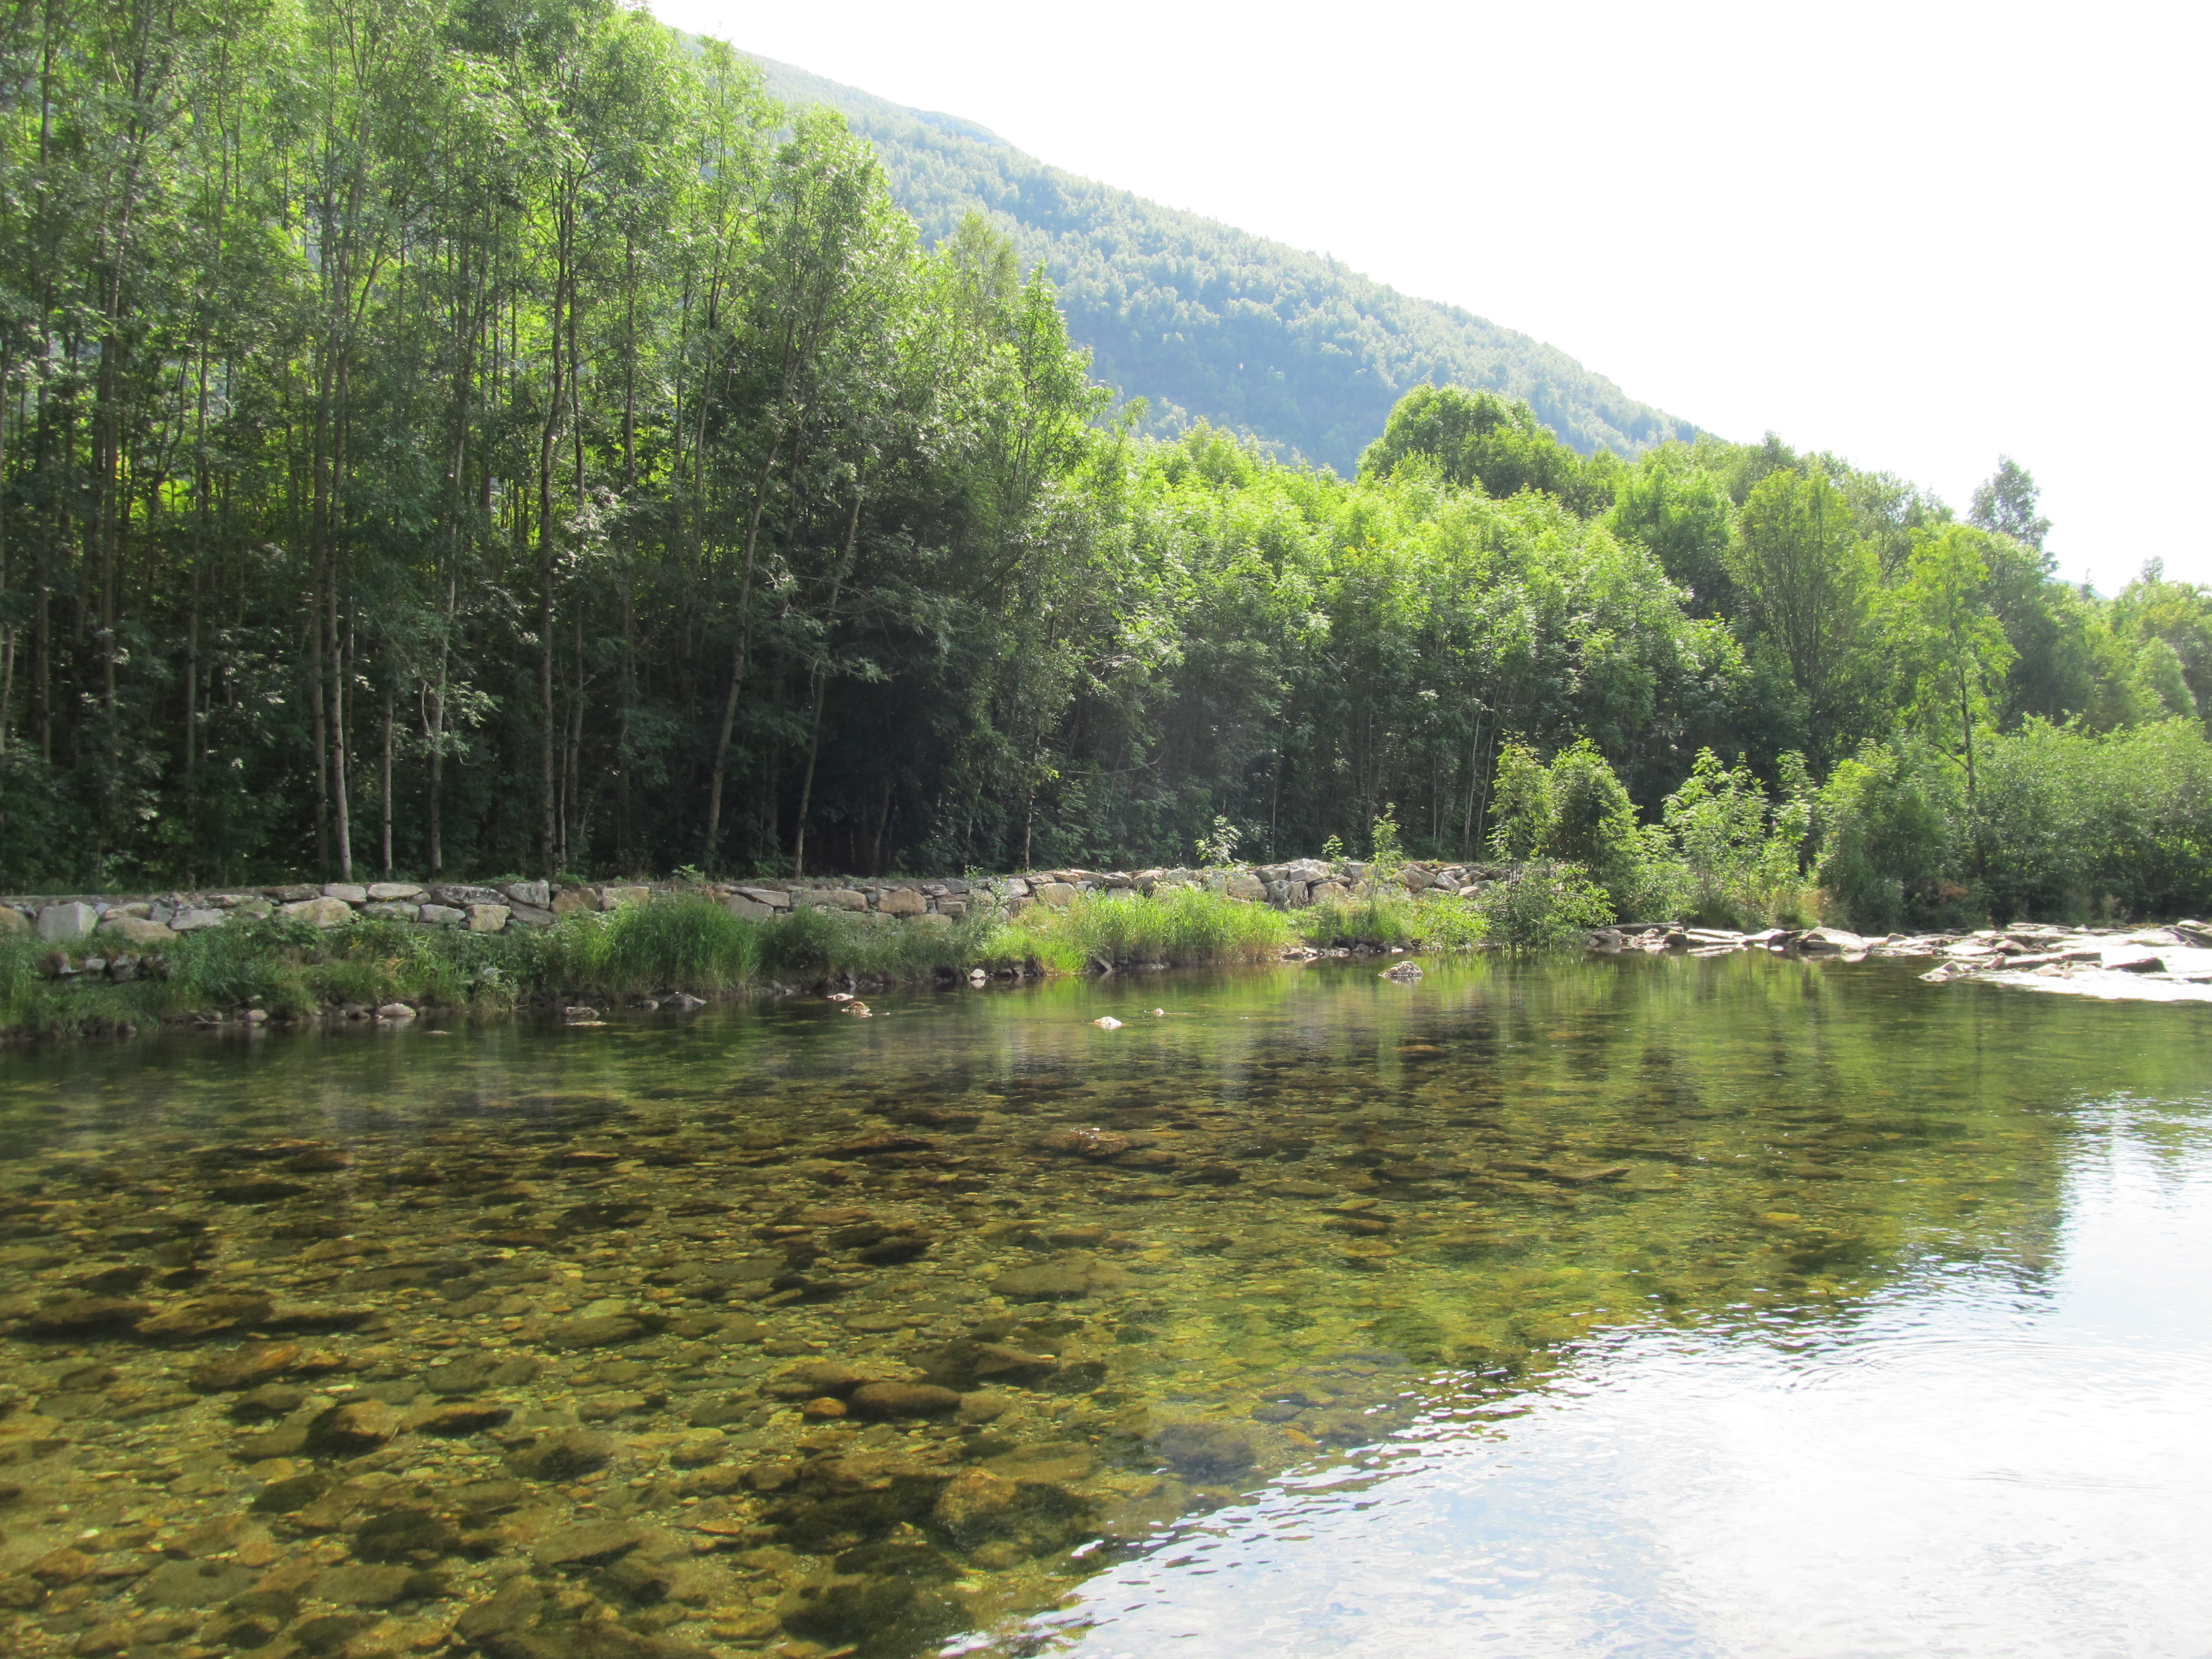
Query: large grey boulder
column 64, row 924
column 138, row 931
column 321, row 912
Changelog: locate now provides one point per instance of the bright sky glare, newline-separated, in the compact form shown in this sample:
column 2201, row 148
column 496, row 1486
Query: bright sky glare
column 1918, row 236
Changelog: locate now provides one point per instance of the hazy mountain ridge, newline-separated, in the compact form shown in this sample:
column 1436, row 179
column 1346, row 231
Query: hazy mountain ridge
column 1210, row 322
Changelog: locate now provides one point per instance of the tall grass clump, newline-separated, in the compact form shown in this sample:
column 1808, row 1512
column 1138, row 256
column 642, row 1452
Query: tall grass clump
column 1179, row 927
column 816, row 943
column 1389, row 920
column 686, row 943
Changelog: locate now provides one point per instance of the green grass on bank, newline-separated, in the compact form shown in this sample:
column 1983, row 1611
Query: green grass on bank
column 1180, row 927
column 683, row 943
column 1430, row 924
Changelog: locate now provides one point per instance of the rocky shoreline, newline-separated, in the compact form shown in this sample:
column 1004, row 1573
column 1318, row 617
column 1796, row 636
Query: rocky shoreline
column 2169, row 963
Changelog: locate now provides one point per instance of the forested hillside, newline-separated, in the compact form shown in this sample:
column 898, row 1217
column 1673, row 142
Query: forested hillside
column 449, row 440
column 1209, row 322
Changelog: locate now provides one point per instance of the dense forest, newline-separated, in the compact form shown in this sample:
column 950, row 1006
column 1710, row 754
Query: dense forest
column 1209, row 322
column 446, row 436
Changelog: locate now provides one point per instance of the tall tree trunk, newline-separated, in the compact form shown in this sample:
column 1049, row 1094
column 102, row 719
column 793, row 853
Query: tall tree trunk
column 821, row 685
column 737, row 659
column 384, row 792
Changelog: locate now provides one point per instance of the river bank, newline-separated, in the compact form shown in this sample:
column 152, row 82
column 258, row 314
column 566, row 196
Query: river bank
column 115, row 964
column 82, row 965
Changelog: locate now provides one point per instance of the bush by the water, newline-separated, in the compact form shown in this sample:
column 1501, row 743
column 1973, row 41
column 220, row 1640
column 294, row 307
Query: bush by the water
column 1544, row 906
column 2056, row 824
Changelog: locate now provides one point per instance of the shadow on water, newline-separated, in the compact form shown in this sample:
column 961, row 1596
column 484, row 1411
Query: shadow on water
column 780, row 1329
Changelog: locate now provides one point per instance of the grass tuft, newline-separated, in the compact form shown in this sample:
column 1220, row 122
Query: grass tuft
column 1414, row 924
column 1180, row 927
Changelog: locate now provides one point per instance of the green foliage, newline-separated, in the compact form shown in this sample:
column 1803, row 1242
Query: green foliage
column 2073, row 825
column 1426, row 923
column 526, row 445
column 1180, row 927
column 683, row 941
column 1543, row 905
column 1894, row 850
column 1217, row 848
column 1386, row 850
column 1474, row 438
column 1576, row 812
column 1739, row 855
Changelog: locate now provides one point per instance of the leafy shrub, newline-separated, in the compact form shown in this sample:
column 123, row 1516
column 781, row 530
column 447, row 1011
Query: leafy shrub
column 1739, row 857
column 1543, row 905
column 2070, row 824
column 1894, row 842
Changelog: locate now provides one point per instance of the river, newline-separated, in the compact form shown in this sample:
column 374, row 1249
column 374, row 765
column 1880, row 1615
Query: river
column 1746, row 1306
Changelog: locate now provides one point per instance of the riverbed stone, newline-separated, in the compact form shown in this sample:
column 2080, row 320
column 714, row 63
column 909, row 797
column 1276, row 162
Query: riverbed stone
column 391, row 910
column 537, row 895
column 896, row 1399
column 195, row 1584
column 245, row 1368
column 901, row 902
column 353, row 1428
column 203, row 1317
column 592, row 1542
column 487, row 918
column 441, row 915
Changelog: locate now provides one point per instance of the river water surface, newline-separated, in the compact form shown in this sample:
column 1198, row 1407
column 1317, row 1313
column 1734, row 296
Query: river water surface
column 1729, row 1307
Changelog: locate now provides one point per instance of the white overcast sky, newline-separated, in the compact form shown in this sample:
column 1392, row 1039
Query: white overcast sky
column 1918, row 236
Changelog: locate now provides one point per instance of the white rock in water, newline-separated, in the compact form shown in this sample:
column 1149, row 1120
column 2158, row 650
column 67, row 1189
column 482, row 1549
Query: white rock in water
column 395, row 1013
column 1107, row 1022
column 1159, row 1013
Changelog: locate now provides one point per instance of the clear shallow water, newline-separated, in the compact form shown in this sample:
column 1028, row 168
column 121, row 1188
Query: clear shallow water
column 1967, row 1467
column 1737, row 1306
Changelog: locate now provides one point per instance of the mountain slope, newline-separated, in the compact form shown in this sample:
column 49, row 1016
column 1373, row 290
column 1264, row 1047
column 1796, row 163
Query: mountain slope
column 1209, row 322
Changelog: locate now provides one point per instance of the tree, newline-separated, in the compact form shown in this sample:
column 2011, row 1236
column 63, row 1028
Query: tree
column 2005, row 502
column 1474, row 438
column 1954, row 646
column 1807, row 583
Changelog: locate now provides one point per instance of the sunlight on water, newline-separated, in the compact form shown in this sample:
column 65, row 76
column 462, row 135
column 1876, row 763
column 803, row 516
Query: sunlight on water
column 1966, row 1466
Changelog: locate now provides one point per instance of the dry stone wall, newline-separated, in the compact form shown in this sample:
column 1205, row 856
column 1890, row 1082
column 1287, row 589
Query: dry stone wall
column 149, row 920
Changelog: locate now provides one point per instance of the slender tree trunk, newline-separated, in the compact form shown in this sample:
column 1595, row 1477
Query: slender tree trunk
column 737, row 659
column 820, row 685
column 340, row 805
column 385, row 791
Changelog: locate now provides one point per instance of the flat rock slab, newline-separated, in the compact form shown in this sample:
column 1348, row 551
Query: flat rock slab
column 593, row 1541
